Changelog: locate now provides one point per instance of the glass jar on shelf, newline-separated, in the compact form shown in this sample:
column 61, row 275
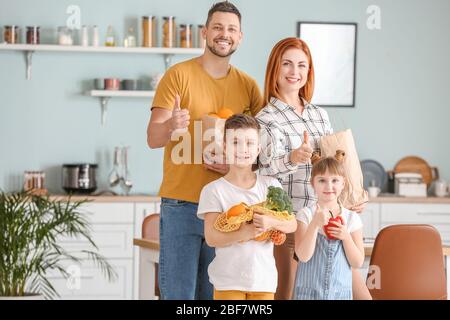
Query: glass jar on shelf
column 110, row 40
column 201, row 43
column 33, row 35
column 169, row 32
column 130, row 39
column 186, row 36
column 11, row 34
column 149, row 31
column 65, row 37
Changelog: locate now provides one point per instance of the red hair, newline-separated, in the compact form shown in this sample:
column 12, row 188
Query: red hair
column 273, row 70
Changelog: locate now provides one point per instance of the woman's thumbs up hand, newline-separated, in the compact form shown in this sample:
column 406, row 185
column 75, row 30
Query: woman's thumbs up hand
column 302, row 155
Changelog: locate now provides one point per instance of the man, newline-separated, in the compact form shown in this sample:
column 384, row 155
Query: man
column 188, row 91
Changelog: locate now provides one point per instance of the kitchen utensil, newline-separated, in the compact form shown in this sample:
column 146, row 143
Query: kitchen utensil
column 373, row 171
column 112, row 84
column 441, row 188
column 154, row 80
column 410, row 184
column 127, row 184
column 114, row 176
column 79, row 177
column 373, row 192
column 129, row 84
column 418, row 165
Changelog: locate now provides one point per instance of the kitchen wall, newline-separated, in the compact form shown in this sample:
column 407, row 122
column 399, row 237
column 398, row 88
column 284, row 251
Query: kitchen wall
column 402, row 83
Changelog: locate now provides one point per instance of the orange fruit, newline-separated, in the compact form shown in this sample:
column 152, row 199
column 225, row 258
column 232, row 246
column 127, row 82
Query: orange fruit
column 278, row 237
column 213, row 114
column 236, row 210
column 225, row 113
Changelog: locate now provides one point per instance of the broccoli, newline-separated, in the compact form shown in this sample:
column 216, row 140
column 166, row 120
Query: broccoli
column 278, row 200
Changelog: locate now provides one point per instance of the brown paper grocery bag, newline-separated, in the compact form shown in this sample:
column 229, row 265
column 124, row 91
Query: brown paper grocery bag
column 212, row 139
column 354, row 194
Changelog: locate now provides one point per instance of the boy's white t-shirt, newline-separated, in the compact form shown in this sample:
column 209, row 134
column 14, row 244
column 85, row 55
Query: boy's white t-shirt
column 247, row 266
column 352, row 220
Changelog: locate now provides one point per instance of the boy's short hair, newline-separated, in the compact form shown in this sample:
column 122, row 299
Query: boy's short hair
column 240, row 121
column 223, row 6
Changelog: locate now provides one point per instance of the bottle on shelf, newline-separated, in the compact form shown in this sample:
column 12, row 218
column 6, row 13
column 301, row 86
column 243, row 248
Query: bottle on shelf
column 84, row 36
column 130, row 39
column 95, row 37
column 110, row 40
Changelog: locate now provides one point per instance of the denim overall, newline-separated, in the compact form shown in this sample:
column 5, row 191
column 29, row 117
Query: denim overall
column 327, row 275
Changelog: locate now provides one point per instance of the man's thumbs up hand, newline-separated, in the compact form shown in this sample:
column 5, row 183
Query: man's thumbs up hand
column 180, row 117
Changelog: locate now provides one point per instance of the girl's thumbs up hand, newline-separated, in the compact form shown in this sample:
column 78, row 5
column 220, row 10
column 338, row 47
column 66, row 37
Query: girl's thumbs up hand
column 302, row 155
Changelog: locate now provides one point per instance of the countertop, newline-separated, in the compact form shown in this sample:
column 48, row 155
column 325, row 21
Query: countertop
column 397, row 199
column 368, row 247
column 154, row 198
column 110, row 198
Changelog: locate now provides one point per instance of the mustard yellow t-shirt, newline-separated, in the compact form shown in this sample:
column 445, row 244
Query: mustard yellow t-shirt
column 184, row 175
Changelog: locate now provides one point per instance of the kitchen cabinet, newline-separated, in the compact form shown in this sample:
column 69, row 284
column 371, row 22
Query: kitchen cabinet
column 114, row 224
column 371, row 220
column 382, row 212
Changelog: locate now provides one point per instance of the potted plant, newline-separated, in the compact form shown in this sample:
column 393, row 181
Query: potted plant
column 31, row 228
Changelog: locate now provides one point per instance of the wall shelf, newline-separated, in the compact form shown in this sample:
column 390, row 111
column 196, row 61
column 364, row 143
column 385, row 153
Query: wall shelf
column 105, row 95
column 29, row 49
column 121, row 93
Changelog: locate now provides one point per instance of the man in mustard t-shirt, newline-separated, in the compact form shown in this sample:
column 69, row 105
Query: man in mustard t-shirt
column 188, row 91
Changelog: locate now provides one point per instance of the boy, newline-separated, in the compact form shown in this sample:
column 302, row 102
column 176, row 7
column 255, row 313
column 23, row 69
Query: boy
column 243, row 269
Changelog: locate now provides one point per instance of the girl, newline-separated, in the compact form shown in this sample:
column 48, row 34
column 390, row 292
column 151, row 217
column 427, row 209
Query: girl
column 325, row 268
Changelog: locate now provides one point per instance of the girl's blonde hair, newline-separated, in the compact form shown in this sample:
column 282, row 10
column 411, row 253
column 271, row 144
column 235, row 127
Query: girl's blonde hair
column 334, row 165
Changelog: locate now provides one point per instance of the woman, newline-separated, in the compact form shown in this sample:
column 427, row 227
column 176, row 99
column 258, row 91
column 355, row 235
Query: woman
column 291, row 131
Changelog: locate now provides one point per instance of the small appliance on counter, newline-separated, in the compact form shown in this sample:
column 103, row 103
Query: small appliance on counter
column 79, row 178
column 410, row 184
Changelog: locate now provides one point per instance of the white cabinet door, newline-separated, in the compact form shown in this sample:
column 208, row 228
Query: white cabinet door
column 371, row 220
column 88, row 282
column 112, row 230
column 112, row 240
column 437, row 215
column 109, row 213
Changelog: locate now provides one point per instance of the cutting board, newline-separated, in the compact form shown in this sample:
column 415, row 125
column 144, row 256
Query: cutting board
column 418, row 165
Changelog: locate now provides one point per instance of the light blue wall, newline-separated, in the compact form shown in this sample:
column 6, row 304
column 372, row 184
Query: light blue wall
column 402, row 83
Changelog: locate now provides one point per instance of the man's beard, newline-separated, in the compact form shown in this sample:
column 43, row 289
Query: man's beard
column 213, row 51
